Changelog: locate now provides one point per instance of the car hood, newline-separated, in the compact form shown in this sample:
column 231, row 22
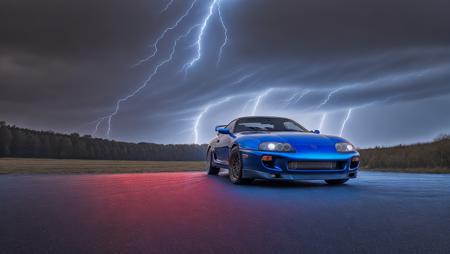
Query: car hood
column 299, row 140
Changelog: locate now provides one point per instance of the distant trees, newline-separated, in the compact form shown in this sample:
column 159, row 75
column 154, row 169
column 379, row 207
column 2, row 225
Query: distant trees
column 5, row 139
column 427, row 155
column 20, row 142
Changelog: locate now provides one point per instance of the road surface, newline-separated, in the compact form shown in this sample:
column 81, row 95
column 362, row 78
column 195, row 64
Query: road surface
column 195, row 213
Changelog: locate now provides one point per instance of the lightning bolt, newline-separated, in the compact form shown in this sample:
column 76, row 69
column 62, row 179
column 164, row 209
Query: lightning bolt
column 243, row 78
column 297, row 96
column 144, row 84
column 163, row 34
column 246, row 105
column 203, row 112
column 329, row 96
column 302, row 95
column 322, row 121
column 167, row 6
column 225, row 30
column 217, row 103
column 290, row 99
column 208, row 107
column 258, row 100
column 98, row 122
column 198, row 43
column 347, row 117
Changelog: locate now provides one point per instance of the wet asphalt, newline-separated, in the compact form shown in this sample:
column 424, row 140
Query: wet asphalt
column 196, row 213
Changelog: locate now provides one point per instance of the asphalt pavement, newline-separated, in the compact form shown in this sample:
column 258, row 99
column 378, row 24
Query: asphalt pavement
column 196, row 213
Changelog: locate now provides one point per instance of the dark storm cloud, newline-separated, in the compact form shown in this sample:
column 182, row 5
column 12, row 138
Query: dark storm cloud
column 74, row 29
column 63, row 64
column 328, row 28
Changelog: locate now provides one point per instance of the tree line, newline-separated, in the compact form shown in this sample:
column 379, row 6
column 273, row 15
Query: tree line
column 21, row 142
column 435, row 154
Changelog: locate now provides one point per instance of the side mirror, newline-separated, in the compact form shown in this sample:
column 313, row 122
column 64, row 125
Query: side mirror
column 219, row 127
column 223, row 131
column 316, row 131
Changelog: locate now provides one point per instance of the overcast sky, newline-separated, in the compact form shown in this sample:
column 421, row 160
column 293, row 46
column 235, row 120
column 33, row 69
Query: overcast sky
column 383, row 65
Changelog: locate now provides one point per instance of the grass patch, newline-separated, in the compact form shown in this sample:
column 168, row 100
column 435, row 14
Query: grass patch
column 59, row 166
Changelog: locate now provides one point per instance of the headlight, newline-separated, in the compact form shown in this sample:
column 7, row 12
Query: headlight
column 344, row 147
column 276, row 147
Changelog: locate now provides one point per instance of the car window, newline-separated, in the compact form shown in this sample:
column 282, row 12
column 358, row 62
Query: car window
column 292, row 126
column 267, row 124
column 231, row 125
column 256, row 126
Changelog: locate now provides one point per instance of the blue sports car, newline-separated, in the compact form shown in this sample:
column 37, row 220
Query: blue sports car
column 279, row 148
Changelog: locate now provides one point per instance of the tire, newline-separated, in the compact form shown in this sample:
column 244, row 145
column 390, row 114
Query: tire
column 210, row 168
column 235, row 167
column 336, row 182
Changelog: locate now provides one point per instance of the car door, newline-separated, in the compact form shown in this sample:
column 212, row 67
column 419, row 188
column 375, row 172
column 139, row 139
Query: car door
column 223, row 144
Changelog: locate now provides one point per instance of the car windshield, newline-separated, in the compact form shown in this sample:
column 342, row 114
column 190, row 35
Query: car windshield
column 267, row 124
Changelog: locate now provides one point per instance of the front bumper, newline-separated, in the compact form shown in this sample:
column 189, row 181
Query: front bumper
column 254, row 167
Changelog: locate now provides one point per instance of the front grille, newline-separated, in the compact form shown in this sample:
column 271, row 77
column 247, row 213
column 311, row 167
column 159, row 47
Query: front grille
column 306, row 165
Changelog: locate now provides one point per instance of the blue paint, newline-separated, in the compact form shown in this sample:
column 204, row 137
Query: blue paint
column 309, row 147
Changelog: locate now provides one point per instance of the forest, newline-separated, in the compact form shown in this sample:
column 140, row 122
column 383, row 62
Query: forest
column 26, row 143
column 434, row 154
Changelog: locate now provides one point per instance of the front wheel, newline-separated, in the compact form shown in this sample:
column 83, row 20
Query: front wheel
column 235, row 166
column 210, row 168
column 336, row 182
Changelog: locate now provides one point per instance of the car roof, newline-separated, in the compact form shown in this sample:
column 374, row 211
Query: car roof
column 244, row 117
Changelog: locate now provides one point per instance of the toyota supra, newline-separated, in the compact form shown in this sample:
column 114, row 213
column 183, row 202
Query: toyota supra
column 277, row 148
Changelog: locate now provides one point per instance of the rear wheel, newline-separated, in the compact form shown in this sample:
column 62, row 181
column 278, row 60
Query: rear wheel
column 336, row 182
column 210, row 168
column 235, row 166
